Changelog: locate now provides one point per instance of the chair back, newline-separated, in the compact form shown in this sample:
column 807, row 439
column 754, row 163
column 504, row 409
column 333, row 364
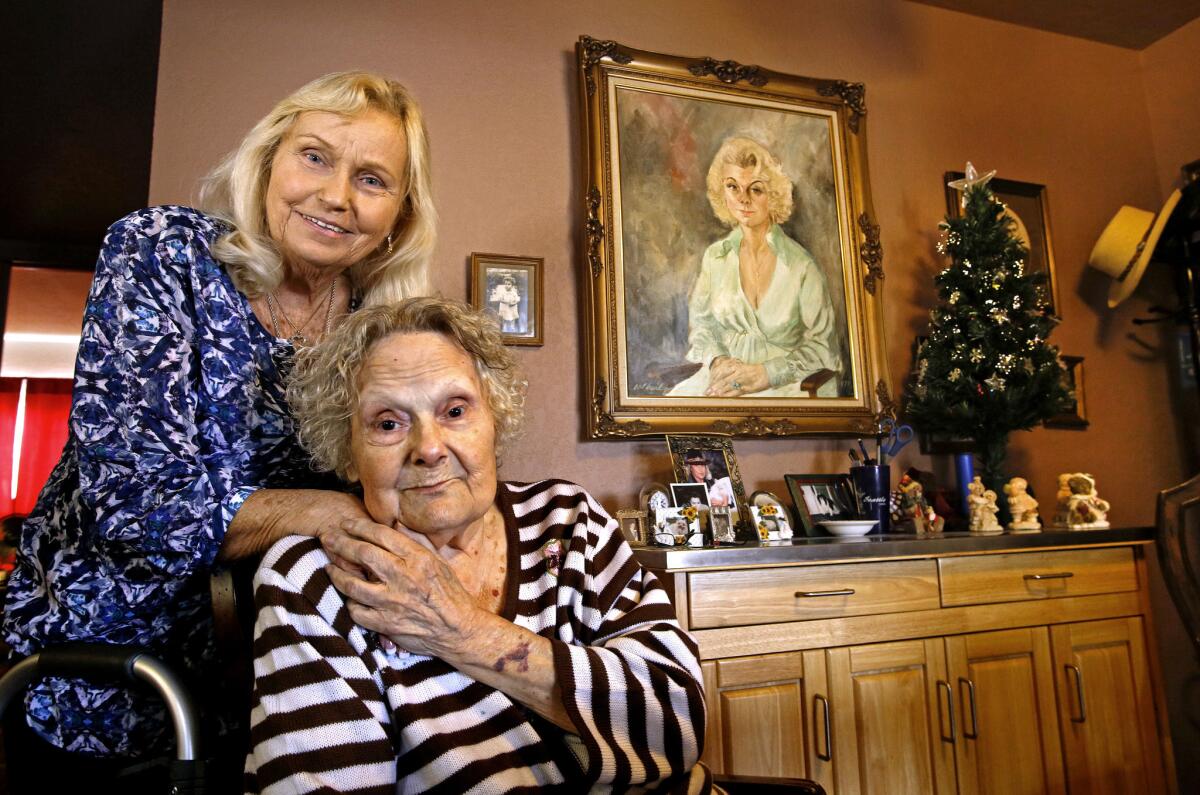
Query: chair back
column 232, row 590
column 1178, row 531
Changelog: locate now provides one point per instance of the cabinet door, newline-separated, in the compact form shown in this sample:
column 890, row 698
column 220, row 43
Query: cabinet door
column 756, row 715
column 1105, row 707
column 1008, row 723
column 893, row 721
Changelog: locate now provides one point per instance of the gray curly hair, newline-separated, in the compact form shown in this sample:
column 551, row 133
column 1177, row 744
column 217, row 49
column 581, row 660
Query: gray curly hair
column 324, row 387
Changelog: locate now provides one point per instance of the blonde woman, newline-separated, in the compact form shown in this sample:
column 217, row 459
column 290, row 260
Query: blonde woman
column 760, row 318
column 182, row 449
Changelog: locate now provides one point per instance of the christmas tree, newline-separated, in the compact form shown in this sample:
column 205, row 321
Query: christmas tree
column 986, row 369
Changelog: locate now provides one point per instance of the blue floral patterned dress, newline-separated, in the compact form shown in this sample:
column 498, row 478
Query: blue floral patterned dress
column 178, row 415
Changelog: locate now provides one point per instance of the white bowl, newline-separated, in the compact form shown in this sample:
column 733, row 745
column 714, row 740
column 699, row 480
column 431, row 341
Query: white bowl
column 849, row 527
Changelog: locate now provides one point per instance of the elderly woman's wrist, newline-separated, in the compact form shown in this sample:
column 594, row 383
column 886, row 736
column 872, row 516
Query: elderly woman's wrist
column 471, row 637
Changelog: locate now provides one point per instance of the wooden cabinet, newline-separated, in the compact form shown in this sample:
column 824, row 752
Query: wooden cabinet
column 756, row 721
column 1106, row 707
column 892, row 721
column 1008, row 722
column 1014, row 672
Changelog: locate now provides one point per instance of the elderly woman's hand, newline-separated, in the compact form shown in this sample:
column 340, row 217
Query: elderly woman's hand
column 729, row 377
column 400, row 589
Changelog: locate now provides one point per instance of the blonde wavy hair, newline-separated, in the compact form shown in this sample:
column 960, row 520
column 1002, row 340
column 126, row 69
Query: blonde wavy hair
column 324, row 387
column 236, row 190
column 748, row 153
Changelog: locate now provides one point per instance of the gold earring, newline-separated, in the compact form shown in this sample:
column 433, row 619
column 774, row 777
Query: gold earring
column 389, row 244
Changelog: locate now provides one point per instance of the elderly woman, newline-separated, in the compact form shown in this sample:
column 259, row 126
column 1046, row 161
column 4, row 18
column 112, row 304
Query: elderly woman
column 182, row 449
column 473, row 635
column 759, row 316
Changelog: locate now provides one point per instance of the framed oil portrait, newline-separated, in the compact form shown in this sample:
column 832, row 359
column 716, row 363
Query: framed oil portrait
column 510, row 290
column 820, row 498
column 708, row 461
column 1028, row 207
column 732, row 267
column 1074, row 418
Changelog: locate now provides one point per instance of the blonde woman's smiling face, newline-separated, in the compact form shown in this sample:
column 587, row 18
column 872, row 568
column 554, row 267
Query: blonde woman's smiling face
column 336, row 188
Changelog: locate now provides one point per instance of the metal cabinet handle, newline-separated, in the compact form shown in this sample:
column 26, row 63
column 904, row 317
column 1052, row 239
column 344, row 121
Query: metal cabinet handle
column 950, row 709
column 1078, row 692
column 837, row 592
column 970, row 689
column 828, row 755
column 1060, row 575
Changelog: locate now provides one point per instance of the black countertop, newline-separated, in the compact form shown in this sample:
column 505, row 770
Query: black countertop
column 822, row 549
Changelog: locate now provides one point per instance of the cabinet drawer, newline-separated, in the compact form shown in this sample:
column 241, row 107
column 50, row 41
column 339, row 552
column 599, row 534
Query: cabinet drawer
column 798, row 593
column 1036, row 575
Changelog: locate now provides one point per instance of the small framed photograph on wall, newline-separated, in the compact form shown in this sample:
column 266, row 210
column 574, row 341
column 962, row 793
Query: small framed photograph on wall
column 510, row 290
column 1075, row 417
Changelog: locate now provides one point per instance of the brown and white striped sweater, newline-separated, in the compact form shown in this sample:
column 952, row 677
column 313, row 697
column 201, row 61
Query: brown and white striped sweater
column 333, row 711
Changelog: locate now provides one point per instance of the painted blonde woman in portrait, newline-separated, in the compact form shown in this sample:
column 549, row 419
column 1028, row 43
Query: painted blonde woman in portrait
column 760, row 319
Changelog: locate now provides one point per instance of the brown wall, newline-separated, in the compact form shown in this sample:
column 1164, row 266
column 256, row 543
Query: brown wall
column 1171, row 75
column 1099, row 125
column 497, row 83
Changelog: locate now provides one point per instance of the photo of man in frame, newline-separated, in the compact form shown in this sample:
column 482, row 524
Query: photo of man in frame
column 708, row 467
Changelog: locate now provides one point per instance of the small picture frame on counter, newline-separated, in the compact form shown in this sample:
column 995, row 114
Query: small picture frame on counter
column 820, row 498
column 633, row 526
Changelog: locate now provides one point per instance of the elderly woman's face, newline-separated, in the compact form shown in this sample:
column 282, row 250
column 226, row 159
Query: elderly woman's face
column 745, row 191
column 336, row 189
column 423, row 440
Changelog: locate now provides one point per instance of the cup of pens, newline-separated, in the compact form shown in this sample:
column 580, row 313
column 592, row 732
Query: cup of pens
column 871, row 483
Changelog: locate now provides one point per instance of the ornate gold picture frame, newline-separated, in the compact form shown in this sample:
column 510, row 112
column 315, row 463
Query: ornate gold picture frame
column 679, row 339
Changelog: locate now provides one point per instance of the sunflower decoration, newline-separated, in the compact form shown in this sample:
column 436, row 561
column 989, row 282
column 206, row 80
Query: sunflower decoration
column 690, row 513
column 763, row 533
column 769, row 510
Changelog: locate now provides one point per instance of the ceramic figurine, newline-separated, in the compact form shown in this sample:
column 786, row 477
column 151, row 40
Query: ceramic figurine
column 982, row 502
column 1079, row 506
column 913, row 507
column 1022, row 506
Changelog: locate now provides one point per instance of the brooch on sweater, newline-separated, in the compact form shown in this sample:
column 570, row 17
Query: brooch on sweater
column 552, row 551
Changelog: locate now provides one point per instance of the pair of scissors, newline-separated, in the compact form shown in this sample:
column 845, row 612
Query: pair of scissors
column 895, row 437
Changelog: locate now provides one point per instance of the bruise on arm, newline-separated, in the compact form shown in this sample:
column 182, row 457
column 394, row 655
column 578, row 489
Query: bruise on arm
column 519, row 656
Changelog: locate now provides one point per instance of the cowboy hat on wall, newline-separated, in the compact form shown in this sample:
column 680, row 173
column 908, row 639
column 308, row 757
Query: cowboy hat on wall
column 1126, row 246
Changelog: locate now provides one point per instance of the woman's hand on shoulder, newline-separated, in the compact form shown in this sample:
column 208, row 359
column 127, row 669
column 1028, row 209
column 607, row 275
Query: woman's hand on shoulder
column 268, row 515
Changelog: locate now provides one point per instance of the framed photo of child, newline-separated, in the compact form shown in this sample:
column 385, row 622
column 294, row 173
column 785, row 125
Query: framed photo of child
column 510, row 290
